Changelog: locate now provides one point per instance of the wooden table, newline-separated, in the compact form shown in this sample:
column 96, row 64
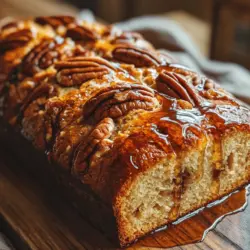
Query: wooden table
column 33, row 221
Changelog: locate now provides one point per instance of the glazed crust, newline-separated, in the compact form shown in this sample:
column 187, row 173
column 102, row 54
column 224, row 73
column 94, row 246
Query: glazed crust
column 104, row 104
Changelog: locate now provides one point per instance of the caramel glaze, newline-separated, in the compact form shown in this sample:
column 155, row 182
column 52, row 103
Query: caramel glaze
column 118, row 73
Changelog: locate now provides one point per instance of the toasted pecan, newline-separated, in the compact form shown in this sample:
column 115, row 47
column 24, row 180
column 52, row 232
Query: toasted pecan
column 81, row 33
column 31, row 114
column 88, row 147
column 15, row 39
column 44, row 55
column 43, row 90
column 55, row 21
column 118, row 100
column 176, row 86
column 60, row 113
column 77, row 70
column 65, row 143
column 138, row 57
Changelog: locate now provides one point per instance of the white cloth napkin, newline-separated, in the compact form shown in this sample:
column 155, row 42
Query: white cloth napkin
column 4, row 243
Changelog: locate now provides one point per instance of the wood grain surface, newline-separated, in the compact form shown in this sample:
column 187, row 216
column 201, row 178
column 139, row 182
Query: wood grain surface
column 32, row 220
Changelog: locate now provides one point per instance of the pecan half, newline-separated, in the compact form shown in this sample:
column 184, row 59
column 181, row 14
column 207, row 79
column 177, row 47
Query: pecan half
column 176, row 86
column 9, row 25
column 61, row 112
column 44, row 55
column 15, row 39
column 88, row 148
column 43, row 90
column 65, row 143
column 32, row 114
column 51, row 120
column 81, row 33
column 138, row 57
column 118, row 100
column 77, row 70
column 55, row 21
column 15, row 97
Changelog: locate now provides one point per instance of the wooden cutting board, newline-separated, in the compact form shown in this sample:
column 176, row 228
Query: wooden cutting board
column 33, row 221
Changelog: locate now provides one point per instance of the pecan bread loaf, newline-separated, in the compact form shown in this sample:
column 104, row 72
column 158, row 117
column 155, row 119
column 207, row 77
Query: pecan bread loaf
column 153, row 139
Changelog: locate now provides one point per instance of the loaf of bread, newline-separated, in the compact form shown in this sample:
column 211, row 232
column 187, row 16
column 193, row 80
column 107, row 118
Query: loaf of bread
column 153, row 139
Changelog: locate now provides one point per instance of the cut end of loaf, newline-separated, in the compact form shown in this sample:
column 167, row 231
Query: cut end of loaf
column 147, row 204
column 155, row 199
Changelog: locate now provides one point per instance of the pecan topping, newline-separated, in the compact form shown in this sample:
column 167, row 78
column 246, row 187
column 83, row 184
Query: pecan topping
column 44, row 90
column 60, row 113
column 55, row 21
column 176, row 86
column 138, row 57
column 118, row 100
column 32, row 114
column 78, row 70
column 44, row 55
column 88, row 148
column 65, row 143
column 15, row 40
column 9, row 25
column 15, row 97
column 51, row 119
column 81, row 33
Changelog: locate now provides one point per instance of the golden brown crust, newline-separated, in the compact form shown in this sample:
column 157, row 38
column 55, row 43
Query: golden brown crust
column 104, row 104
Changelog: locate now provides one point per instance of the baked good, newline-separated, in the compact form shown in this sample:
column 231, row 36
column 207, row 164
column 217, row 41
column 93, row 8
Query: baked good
column 153, row 139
